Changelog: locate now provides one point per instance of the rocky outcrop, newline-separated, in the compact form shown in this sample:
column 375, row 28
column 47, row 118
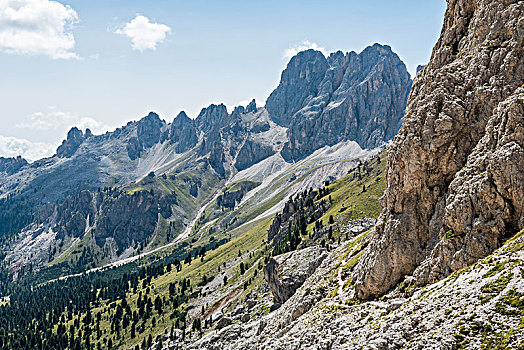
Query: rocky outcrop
column 10, row 166
column 148, row 134
column 455, row 171
column 251, row 153
column 251, row 106
column 148, row 130
column 183, row 132
column 287, row 272
column 125, row 218
column 230, row 198
column 76, row 214
column 133, row 148
column 129, row 219
column 211, row 118
column 299, row 82
column 217, row 158
column 74, row 139
column 359, row 97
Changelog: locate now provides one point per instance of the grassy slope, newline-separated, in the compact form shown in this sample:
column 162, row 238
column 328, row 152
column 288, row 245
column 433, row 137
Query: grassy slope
column 249, row 238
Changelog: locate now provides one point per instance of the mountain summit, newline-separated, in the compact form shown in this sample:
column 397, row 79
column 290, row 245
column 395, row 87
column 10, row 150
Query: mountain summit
column 350, row 96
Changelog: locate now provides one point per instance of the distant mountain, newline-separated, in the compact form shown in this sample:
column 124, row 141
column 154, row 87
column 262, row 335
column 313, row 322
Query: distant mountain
column 351, row 96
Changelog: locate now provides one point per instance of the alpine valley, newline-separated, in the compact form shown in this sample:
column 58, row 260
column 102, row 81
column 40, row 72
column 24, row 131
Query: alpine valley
column 356, row 209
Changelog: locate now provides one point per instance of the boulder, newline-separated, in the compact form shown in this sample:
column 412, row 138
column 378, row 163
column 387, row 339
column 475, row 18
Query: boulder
column 287, row 272
column 224, row 322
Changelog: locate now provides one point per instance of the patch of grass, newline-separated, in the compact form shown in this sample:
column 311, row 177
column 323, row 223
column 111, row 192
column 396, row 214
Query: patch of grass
column 449, row 235
column 348, row 192
column 516, row 243
column 511, row 304
column 496, row 269
column 493, row 288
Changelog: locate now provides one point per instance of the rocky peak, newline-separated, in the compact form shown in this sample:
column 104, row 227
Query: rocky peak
column 181, row 120
column 238, row 110
column 10, row 166
column 337, row 58
column 212, row 117
column 251, row 107
column 454, row 180
column 149, row 129
column 183, row 131
column 299, row 82
column 74, row 139
column 287, row 272
column 359, row 97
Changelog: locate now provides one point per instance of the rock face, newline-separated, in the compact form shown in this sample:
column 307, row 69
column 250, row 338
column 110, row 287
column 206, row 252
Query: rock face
column 252, row 153
column 120, row 217
column 359, row 97
column 455, row 178
column 289, row 271
column 10, row 166
column 74, row 139
column 299, row 81
column 183, row 132
column 229, row 199
column 148, row 133
column 149, row 129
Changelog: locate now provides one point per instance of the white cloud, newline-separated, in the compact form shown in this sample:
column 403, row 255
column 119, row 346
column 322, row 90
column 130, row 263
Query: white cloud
column 53, row 119
column 37, row 28
column 305, row 45
column 143, row 33
column 12, row 147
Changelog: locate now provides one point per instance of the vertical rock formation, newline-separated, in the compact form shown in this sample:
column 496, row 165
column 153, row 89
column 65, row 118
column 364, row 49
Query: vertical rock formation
column 299, row 81
column 183, row 132
column 10, row 166
column 74, row 139
column 455, row 178
column 359, row 97
column 149, row 129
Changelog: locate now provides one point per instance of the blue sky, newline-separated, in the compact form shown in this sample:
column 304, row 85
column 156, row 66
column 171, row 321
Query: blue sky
column 82, row 67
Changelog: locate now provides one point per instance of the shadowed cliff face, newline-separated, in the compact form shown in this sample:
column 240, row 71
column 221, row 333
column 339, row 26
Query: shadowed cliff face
column 455, row 170
column 359, row 97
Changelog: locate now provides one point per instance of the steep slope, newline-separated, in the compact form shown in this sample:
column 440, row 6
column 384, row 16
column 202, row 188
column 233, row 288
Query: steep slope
column 455, row 170
column 480, row 307
column 214, row 276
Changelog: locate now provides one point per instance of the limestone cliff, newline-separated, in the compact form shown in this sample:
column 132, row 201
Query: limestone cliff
column 455, row 171
column 353, row 96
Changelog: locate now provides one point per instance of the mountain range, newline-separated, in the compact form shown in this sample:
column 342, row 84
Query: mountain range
column 357, row 209
column 90, row 184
